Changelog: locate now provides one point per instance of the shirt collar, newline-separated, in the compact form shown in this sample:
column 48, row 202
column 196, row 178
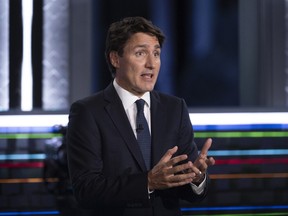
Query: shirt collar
column 127, row 98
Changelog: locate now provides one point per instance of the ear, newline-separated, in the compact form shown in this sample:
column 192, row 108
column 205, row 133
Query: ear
column 114, row 59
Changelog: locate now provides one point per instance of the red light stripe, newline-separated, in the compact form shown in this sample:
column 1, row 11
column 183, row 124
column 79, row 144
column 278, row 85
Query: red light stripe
column 22, row 165
column 252, row 161
column 236, row 161
column 248, row 175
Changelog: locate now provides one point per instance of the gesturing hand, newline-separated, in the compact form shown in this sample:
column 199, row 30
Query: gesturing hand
column 202, row 162
column 168, row 173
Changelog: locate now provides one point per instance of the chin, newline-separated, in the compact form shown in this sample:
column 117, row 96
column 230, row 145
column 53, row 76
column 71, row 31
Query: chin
column 146, row 88
column 149, row 89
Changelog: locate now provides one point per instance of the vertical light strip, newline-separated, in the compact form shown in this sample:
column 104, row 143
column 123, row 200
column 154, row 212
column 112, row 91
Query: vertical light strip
column 286, row 51
column 4, row 55
column 56, row 54
column 26, row 80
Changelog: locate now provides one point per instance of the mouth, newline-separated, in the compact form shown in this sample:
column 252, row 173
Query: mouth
column 147, row 75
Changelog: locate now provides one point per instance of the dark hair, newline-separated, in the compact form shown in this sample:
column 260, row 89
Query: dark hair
column 120, row 32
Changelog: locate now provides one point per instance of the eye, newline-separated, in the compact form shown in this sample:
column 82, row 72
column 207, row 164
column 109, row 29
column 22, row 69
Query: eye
column 140, row 53
column 157, row 53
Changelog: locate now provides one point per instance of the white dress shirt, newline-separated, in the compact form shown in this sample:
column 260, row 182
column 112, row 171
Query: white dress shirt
column 128, row 100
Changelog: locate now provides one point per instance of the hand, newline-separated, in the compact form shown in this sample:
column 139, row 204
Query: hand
column 202, row 162
column 168, row 173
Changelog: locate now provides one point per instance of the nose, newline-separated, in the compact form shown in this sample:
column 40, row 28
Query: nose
column 150, row 61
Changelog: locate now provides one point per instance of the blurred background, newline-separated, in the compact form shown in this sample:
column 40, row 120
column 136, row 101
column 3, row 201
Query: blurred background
column 218, row 53
column 221, row 56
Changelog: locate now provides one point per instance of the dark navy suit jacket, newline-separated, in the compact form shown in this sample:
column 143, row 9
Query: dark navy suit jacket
column 106, row 166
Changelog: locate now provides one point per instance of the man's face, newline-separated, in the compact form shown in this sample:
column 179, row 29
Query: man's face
column 137, row 70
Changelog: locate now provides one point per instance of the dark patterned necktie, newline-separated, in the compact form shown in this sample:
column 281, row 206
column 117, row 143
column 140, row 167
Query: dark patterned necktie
column 143, row 134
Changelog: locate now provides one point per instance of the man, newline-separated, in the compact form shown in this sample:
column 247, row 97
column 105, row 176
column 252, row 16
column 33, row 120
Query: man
column 109, row 170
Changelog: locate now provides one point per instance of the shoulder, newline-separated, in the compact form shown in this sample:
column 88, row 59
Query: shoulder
column 166, row 98
column 173, row 105
column 90, row 100
column 86, row 106
column 99, row 99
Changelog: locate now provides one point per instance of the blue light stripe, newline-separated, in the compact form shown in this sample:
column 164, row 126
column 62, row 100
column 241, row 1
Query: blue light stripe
column 4, row 130
column 213, row 153
column 234, row 208
column 22, row 157
column 32, row 129
column 244, row 127
column 248, row 152
column 30, row 213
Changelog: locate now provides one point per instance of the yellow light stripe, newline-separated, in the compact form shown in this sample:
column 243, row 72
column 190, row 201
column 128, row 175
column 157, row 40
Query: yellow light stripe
column 27, row 180
column 248, row 175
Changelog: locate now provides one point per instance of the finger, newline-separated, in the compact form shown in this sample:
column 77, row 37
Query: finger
column 176, row 160
column 210, row 161
column 182, row 177
column 182, row 168
column 179, row 183
column 168, row 155
column 196, row 170
column 191, row 169
column 206, row 146
column 202, row 165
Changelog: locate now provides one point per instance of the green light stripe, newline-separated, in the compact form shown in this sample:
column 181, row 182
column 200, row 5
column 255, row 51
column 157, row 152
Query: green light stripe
column 242, row 134
column 30, row 136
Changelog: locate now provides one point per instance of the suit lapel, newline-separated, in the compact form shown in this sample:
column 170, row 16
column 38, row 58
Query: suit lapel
column 118, row 115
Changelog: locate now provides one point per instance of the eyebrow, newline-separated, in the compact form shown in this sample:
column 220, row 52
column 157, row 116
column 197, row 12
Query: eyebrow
column 157, row 46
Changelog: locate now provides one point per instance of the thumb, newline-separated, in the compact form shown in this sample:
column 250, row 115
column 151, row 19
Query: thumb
column 206, row 146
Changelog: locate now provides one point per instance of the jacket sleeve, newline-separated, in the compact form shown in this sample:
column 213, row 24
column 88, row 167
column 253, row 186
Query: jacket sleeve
column 189, row 147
